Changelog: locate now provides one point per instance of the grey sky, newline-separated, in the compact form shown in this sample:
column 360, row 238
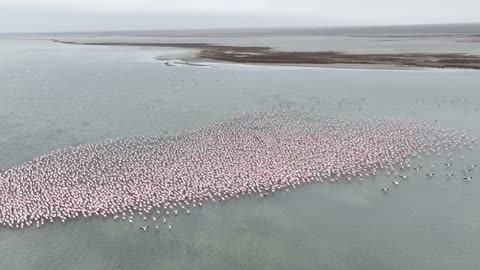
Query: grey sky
column 75, row 15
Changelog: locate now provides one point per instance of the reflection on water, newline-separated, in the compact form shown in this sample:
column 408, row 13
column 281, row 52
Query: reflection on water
column 54, row 95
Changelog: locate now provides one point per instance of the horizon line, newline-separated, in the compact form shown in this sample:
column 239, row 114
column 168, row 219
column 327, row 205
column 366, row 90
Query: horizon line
column 346, row 26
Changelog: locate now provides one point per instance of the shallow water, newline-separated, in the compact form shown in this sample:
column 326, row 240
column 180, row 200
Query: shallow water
column 55, row 95
column 455, row 38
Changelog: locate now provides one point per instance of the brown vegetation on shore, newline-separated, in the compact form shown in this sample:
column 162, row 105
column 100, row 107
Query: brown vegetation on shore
column 265, row 55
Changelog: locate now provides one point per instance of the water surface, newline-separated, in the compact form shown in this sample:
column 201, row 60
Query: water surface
column 55, row 95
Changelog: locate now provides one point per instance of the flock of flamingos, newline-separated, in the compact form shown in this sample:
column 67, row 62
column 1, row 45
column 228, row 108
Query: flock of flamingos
column 252, row 154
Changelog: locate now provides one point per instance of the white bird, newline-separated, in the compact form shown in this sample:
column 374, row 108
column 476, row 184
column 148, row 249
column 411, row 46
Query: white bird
column 450, row 175
column 145, row 228
column 385, row 189
column 468, row 178
column 430, row 174
column 403, row 176
column 395, row 183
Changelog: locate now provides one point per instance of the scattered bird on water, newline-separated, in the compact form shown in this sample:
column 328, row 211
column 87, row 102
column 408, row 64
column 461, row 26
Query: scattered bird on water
column 448, row 164
column 385, row 189
column 450, row 175
column 468, row 178
column 169, row 227
column 430, row 174
column 403, row 176
column 467, row 170
column 395, row 183
column 473, row 166
column 416, row 169
column 145, row 228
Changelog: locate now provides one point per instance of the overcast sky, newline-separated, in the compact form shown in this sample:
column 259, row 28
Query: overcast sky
column 89, row 15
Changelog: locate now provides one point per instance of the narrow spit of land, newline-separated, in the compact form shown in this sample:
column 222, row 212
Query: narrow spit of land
column 267, row 55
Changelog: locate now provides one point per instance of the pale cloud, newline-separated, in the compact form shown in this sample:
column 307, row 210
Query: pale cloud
column 164, row 6
column 251, row 6
column 54, row 15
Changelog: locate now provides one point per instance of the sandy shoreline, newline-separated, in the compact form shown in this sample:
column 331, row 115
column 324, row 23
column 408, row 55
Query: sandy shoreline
column 266, row 55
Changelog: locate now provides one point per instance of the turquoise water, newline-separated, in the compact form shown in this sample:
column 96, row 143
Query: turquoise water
column 55, row 95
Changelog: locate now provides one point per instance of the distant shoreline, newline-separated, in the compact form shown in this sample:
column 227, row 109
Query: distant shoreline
column 266, row 55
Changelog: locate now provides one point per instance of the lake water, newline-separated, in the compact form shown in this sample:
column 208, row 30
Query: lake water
column 54, row 95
